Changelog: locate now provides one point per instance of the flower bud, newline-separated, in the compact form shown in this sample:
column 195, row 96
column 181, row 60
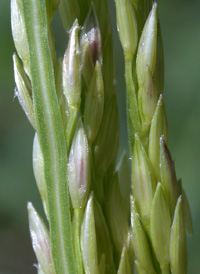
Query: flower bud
column 147, row 98
column 127, row 27
column 87, row 64
column 160, row 227
column 94, row 105
column 88, row 239
column 124, row 264
column 168, row 175
column 79, row 168
column 91, row 33
column 91, row 44
column 19, row 33
column 116, row 215
column 140, row 242
column 23, row 91
column 157, row 129
column 108, row 137
column 38, row 170
column 146, row 55
column 69, row 115
column 144, row 183
column 40, row 241
column 71, row 69
column 178, row 241
column 61, row 97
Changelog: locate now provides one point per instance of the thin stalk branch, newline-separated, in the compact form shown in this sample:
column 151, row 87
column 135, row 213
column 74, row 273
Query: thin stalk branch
column 78, row 214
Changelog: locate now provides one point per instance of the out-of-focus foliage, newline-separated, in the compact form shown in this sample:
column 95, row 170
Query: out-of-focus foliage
column 180, row 25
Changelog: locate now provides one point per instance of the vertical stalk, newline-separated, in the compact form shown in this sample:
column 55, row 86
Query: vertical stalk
column 78, row 214
column 51, row 134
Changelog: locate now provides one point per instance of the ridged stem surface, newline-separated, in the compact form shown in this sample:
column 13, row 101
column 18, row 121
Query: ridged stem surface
column 51, row 134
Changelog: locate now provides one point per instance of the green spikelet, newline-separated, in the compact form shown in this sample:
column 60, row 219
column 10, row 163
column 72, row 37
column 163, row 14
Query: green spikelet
column 159, row 199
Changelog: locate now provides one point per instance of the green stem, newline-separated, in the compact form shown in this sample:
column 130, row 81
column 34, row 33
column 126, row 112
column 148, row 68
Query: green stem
column 134, row 124
column 51, row 134
column 77, row 221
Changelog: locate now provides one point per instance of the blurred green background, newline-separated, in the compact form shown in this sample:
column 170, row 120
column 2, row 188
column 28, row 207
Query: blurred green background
column 180, row 22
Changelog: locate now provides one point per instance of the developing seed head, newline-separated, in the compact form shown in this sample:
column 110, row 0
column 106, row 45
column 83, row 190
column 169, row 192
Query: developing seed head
column 38, row 169
column 91, row 35
column 144, row 183
column 71, row 69
column 117, row 216
column 23, row 90
column 147, row 97
column 79, row 168
column 127, row 27
column 178, row 252
column 103, row 238
column 40, row 240
column 94, row 104
column 146, row 55
column 19, row 33
column 88, row 239
column 160, row 226
column 157, row 129
column 141, row 244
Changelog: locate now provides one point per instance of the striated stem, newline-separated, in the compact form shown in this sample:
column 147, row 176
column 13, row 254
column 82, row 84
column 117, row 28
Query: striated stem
column 77, row 221
column 51, row 134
